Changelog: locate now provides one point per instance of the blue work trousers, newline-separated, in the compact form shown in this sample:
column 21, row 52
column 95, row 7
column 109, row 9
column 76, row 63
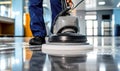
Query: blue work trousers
column 37, row 24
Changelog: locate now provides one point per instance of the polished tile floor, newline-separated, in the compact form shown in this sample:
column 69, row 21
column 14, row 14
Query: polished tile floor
column 17, row 55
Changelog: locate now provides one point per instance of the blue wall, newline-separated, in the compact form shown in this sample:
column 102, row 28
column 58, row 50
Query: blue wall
column 116, row 13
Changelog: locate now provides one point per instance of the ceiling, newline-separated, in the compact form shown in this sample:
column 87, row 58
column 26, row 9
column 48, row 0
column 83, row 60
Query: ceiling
column 96, row 4
column 93, row 4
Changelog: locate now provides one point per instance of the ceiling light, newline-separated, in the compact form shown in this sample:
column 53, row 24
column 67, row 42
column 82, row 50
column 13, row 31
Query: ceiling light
column 118, row 5
column 101, row 3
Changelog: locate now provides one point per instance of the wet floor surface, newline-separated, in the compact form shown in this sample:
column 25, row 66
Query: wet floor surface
column 17, row 55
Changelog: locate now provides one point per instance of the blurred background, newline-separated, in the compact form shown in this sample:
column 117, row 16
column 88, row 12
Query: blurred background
column 96, row 17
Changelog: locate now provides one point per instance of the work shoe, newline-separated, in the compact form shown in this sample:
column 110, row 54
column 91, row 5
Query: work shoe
column 37, row 41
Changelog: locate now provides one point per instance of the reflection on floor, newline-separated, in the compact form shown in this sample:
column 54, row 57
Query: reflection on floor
column 17, row 55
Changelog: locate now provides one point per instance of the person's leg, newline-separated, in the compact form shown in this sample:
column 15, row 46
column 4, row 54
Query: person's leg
column 36, row 14
column 56, row 8
column 37, row 24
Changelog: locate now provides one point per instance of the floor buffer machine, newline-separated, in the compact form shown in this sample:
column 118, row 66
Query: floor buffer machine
column 65, row 40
